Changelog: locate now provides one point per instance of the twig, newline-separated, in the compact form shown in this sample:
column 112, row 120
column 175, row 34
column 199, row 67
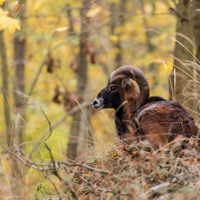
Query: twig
column 175, row 10
column 85, row 166
column 49, row 149
column 55, row 171
column 104, row 190
column 32, row 165
column 154, row 189
column 57, row 123
column 50, row 128
column 47, row 166
column 36, row 77
column 53, row 185
column 179, row 15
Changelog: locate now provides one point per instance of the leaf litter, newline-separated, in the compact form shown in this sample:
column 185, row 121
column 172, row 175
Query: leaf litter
column 138, row 171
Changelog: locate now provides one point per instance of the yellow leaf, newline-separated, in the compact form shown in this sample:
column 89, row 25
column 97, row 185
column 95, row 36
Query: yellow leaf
column 3, row 13
column 125, row 37
column 136, row 154
column 10, row 23
column 148, row 9
column 114, row 154
column 94, row 11
column 3, row 21
column 2, row 1
column 61, row 29
column 161, row 7
column 119, row 30
column 37, row 4
column 13, row 25
column 114, row 38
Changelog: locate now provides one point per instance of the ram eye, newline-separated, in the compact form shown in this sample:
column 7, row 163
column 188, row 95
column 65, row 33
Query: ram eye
column 113, row 88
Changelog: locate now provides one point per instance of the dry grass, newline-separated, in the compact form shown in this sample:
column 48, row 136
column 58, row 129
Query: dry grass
column 140, row 172
column 135, row 171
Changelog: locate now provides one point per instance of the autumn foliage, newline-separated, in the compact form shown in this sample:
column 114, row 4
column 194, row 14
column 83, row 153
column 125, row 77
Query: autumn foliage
column 45, row 40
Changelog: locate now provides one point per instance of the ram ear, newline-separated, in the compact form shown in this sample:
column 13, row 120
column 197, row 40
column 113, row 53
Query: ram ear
column 126, row 82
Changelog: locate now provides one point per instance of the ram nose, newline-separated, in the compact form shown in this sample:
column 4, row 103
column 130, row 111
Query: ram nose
column 98, row 103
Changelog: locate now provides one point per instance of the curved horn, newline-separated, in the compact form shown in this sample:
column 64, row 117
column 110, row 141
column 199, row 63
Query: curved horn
column 136, row 75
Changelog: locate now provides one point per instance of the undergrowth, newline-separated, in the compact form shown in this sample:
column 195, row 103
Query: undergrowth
column 140, row 172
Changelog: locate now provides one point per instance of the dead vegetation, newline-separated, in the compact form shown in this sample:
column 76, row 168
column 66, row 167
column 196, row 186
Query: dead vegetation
column 136, row 171
column 141, row 172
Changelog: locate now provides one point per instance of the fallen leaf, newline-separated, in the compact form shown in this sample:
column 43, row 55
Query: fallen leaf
column 74, row 64
column 94, row 11
column 49, row 62
column 56, row 95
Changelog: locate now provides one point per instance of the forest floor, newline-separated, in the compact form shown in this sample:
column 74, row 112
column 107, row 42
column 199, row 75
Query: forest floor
column 139, row 172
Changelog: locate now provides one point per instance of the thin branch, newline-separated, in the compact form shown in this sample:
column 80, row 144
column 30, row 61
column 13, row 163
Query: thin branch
column 55, row 172
column 47, row 166
column 53, row 185
column 57, row 123
column 104, row 190
column 55, row 163
column 50, row 128
column 179, row 15
column 36, row 77
column 85, row 166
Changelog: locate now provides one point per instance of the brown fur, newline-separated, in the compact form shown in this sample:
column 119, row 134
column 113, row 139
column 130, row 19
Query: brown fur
column 160, row 124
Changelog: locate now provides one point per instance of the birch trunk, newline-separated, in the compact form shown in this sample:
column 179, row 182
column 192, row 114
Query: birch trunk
column 5, row 88
column 79, row 132
column 19, row 57
column 182, row 72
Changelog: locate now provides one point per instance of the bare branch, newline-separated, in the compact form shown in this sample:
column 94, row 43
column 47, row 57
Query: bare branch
column 85, row 166
column 55, row 163
column 58, row 122
column 53, row 185
column 36, row 77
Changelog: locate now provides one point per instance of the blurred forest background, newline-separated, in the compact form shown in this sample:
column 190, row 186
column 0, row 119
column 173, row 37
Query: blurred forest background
column 57, row 55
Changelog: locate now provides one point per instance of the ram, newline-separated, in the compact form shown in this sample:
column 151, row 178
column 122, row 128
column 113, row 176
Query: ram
column 138, row 116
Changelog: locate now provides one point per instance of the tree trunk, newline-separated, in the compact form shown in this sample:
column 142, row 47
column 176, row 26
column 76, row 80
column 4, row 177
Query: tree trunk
column 183, row 73
column 196, row 31
column 19, row 57
column 78, row 127
column 196, row 27
column 117, row 20
column 150, row 46
column 5, row 89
